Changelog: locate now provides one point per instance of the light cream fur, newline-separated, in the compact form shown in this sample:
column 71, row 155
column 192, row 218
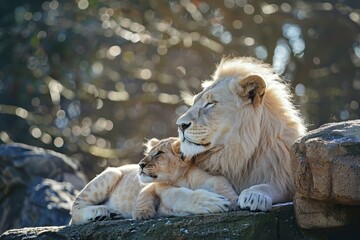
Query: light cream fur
column 242, row 126
column 161, row 185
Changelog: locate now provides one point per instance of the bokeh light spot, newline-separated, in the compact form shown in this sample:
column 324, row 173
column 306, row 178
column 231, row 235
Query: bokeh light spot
column 54, row 5
column 344, row 115
column 327, row 6
column 281, row 56
column 5, row 137
column 46, row 138
column 226, row 37
column 249, row 9
column 269, row 8
column 113, row 52
column 180, row 71
column 316, row 60
column 168, row 98
column 35, row 101
column 258, row 19
column 58, row 142
column 237, row 24
column 145, row 74
column 261, row 52
column 91, row 139
column 249, row 41
column 229, row 3
column 162, row 50
column 354, row 16
column 285, row 7
column 36, row 132
column 300, row 90
column 83, row 4
column 20, row 112
column 354, row 105
column 97, row 68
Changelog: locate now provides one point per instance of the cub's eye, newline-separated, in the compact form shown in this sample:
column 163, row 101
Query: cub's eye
column 158, row 153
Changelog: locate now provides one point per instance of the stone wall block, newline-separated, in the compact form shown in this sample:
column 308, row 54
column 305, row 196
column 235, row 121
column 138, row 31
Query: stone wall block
column 346, row 181
column 326, row 167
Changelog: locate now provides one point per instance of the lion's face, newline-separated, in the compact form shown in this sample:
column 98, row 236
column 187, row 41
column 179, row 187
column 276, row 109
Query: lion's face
column 163, row 162
column 216, row 112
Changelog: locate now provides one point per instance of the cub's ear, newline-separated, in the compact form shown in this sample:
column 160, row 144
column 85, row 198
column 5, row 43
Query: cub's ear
column 252, row 87
column 150, row 144
column 175, row 146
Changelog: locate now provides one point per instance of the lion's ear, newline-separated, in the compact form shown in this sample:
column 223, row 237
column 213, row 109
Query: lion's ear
column 150, row 144
column 252, row 87
column 175, row 146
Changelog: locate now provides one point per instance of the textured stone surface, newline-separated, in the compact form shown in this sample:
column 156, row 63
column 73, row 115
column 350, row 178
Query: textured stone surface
column 279, row 223
column 326, row 163
column 312, row 214
column 326, row 166
column 36, row 186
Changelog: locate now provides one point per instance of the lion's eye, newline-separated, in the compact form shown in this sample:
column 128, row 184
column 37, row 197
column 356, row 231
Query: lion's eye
column 209, row 105
column 158, row 153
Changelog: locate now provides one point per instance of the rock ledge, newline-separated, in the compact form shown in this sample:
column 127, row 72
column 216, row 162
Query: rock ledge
column 279, row 223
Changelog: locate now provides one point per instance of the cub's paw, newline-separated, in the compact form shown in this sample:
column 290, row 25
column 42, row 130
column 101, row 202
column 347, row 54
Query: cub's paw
column 144, row 213
column 203, row 201
column 96, row 213
column 254, row 201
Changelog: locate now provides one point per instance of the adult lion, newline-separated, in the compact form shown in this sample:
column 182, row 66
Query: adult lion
column 241, row 125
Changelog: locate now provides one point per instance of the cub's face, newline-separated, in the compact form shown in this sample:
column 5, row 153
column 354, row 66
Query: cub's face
column 162, row 162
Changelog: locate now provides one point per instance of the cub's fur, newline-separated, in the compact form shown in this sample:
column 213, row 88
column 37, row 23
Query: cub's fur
column 159, row 187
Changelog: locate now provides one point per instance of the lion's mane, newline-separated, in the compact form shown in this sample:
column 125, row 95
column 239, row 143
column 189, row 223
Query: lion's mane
column 257, row 148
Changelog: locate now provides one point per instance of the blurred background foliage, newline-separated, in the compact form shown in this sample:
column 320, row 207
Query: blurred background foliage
column 93, row 79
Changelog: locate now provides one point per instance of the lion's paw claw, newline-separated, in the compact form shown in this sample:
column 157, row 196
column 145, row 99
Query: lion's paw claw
column 254, row 201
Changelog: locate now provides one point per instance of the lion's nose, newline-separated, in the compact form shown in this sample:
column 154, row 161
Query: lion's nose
column 184, row 126
column 142, row 165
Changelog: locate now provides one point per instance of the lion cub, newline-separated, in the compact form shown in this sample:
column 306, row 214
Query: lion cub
column 145, row 190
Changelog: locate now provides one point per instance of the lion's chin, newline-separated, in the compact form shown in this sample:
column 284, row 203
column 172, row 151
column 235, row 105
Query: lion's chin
column 190, row 149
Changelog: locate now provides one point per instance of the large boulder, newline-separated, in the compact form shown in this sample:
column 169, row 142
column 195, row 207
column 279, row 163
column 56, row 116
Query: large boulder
column 326, row 165
column 37, row 186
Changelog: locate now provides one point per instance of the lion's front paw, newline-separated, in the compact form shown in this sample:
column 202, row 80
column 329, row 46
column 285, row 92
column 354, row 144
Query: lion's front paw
column 203, row 201
column 254, row 201
column 144, row 213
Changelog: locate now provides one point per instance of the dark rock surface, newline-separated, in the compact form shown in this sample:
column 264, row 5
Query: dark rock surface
column 279, row 223
column 37, row 186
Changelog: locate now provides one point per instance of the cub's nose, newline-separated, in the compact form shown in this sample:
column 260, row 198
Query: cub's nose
column 142, row 165
column 184, row 126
